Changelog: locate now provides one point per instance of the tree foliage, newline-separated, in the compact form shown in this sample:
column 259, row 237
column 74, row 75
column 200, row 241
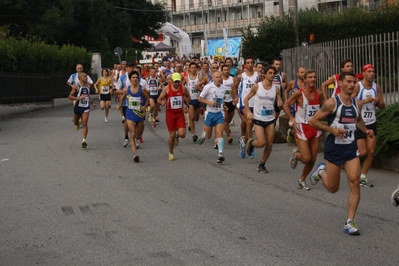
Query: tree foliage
column 276, row 34
column 97, row 25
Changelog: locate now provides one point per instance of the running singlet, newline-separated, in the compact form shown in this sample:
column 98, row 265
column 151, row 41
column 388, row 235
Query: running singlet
column 308, row 109
column 368, row 109
column 344, row 116
column 105, row 85
column 245, row 87
column 213, row 93
column 233, row 72
column 229, row 83
column 209, row 76
column 278, row 80
column 337, row 88
column 85, row 102
column 194, row 93
column 264, row 103
column 174, row 99
column 152, row 86
column 134, row 99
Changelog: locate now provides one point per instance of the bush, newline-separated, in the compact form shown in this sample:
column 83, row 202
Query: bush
column 387, row 128
column 31, row 55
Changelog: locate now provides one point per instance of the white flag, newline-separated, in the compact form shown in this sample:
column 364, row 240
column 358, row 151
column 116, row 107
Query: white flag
column 226, row 43
column 205, row 41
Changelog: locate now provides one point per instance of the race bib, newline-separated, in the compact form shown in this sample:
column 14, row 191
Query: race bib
column 176, row 102
column 310, row 111
column 105, row 89
column 349, row 136
column 219, row 102
column 153, row 91
column 266, row 111
column 134, row 103
column 84, row 102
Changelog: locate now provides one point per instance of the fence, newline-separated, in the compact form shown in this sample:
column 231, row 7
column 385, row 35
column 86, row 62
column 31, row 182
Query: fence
column 380, row 50
column 24, row 88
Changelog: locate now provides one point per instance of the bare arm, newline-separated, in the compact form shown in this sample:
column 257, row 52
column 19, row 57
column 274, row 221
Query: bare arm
column 325, row 84
column 290, row 86
column 326, row 109
column 162, row 97
column 379, row 101
column 72, row 96
column 293, row 99
column 252, row 92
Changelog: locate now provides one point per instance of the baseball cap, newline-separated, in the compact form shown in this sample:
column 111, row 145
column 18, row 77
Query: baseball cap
column 367, row 67
column 176, row 77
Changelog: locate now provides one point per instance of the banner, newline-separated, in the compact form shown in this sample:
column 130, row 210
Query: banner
column 180, row 36
column 216, row 47
column 226, row 43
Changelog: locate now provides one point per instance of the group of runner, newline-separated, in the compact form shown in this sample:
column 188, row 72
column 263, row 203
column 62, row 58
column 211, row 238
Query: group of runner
column 256, row 93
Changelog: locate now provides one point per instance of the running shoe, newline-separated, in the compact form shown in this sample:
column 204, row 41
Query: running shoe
column 125, row 143
column 395, row 198
column 242, row 148
column 290, row 136
column 293, row 160
column 141, row 140
column 176, row 141
column 252, row 155
column 200, row 140
column 229, row 139
column 154, row 124
column 136, row 158
column 365, row 182
column 250, row 148
column 195, row 138
column 215, row 144
column 171, row 157
column 156, row 119
column 350, row 228
column 84, row 144
column 262, row 169
column 105, row 120
column 77, row 127
column 302, row 185
column 315, row 176
column 137, row 143
column 150, row 119
column 220, row 158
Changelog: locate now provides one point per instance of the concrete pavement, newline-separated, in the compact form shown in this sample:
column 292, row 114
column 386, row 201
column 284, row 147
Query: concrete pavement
column 62, row 205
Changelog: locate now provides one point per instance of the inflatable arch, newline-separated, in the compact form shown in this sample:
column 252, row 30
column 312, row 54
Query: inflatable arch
column 180, row 36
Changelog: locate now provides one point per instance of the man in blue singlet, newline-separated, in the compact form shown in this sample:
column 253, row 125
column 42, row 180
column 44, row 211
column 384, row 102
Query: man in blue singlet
column 343, row 117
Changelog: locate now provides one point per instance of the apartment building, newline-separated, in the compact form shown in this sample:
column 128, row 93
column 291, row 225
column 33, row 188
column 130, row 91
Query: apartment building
column 194, row 16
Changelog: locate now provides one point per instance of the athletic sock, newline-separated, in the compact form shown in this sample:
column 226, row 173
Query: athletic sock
column 203, row 134
column 126, row 137
column 362, row 176
column 220, row 144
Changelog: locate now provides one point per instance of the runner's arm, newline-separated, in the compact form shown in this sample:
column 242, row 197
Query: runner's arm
column 251, row 93
column 293, row 99
column 325, row 84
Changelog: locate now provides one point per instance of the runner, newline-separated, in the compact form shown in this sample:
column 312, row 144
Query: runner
column 293, row 86
column 135, row 112
column 244, row 82
column 346, row 66
column 154, row 88
column 343, row 117
column 121, row 84
column 230, row 100
column 264, row 95
column 80, row 93
column 174, row 95
column 192, row 80
column 307, row 101
column 105, row 83
column 280, row 80
column 370, row 95
column 213, row 95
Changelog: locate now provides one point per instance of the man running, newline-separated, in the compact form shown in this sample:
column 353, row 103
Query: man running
column 230, row 100
column 370, row 95
column 80, row 94
column 343, row 117
column 154, row 88
column 307, row 101
column 279, row 80
column 346, row 66
column 244, row 82
column 177, row 99
column 105, row 89
column 192, row 79
column 264, row 95
column 213, row 96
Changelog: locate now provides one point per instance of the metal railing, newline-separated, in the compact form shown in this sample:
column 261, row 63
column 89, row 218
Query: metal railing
column 25, row 88
column 380, row 50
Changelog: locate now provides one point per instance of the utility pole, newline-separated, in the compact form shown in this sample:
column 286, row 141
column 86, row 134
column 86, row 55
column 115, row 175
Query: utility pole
column 281, row 8
column 293, row 7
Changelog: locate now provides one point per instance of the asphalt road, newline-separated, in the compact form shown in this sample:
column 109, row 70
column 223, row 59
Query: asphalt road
column 63, row 205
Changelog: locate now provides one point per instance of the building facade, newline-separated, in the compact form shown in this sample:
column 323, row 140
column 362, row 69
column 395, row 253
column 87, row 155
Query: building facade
column 194, row 16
